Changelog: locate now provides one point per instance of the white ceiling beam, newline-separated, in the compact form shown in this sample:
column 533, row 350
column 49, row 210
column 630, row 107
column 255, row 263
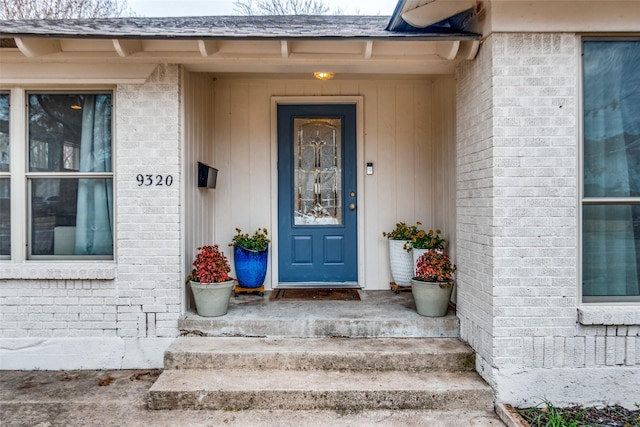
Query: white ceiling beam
column 38, row 47
column 468, row 49
column 75, row 73
column 127, row 47
column 207, row 47
column 284, row 48
column 436, row 11
column 368, row 49
column 448, row 50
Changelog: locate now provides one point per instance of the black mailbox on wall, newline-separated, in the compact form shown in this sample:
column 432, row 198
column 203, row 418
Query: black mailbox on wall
column 207, row 176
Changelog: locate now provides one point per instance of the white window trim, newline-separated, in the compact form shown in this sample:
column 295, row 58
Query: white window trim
column 7, row 175
column 20, row 266
column 597, row 312
column 604, row 315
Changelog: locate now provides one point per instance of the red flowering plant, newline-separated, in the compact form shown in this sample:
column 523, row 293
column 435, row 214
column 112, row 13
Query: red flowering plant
column 210, row 266
column 435, row 266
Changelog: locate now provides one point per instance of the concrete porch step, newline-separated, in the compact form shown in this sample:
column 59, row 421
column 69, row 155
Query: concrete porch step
column 376, row 354
column 380, row 314
column 309, row 354
column 309, row 390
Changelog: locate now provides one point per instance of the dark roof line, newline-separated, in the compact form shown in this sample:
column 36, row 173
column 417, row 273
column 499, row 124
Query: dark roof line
column 301, row 27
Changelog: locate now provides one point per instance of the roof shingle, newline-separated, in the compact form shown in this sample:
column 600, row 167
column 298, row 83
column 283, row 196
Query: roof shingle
column 223, row 27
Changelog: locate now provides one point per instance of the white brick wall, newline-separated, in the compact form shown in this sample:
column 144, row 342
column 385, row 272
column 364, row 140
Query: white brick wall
column 474, row 205
column 148, row 233
column 517, row 204
column 140, row 297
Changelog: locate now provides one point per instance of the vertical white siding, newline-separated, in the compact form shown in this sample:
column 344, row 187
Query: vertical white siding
column 199, row 144
column 409, row 129
column 443, row 160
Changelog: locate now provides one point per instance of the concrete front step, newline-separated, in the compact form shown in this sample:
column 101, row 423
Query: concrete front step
column 308, row 390
column 376, row 354
column 380, row 314
column 308, row 354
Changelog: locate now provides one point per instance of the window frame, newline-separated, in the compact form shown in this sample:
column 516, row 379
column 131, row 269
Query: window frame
column 21, row 209
column 596, row 300
column 7, row 175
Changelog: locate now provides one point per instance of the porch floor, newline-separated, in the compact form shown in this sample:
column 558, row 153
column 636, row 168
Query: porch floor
column 382, row 314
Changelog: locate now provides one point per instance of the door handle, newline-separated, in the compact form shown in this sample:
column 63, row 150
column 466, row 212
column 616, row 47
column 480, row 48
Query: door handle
column 352, row 206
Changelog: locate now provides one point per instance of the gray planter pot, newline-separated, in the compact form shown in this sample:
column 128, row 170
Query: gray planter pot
column 431, row 300
column 212, row 299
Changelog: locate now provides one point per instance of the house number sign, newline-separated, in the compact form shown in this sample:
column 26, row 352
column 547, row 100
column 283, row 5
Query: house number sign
column 147, row 180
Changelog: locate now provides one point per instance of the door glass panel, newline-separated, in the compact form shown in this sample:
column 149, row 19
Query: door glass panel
column 317, row 171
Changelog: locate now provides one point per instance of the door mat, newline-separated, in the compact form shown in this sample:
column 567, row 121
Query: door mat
column 319, row 294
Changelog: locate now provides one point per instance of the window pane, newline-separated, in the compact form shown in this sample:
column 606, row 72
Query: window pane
column 72, row 216
column 4, row 132
column 5, row 217
column 70, row 132
column 611, row 119
column 611, row 250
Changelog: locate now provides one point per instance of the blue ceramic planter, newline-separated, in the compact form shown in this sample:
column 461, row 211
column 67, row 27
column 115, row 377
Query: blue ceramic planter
column 251, row 266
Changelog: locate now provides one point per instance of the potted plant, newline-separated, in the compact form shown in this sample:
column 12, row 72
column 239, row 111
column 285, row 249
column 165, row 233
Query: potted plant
column 250, row 254
column 433, row 283
column 210, row 282
column 422, row 241
column 400, row 259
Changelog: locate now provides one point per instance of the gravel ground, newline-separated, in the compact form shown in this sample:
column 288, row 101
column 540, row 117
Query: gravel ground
column 609, row 416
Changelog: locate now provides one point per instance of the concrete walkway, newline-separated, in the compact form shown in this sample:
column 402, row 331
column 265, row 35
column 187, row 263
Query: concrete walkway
column 118, row 398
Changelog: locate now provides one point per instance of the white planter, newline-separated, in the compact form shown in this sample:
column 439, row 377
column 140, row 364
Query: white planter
column 431, row 300
column 212, row 299
column 401, row 262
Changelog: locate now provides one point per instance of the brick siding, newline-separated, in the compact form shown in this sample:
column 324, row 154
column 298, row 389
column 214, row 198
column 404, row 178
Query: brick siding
column 141, row 295
column 517, row 206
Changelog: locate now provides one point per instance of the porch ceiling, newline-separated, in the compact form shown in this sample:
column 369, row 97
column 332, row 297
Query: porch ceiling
column 271, row 56
column 279, row 45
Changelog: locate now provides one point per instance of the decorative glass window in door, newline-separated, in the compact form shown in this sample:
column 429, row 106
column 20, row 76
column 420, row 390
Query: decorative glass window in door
column 317, row 171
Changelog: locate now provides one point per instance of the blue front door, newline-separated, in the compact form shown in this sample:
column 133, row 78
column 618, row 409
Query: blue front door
column 317, row 200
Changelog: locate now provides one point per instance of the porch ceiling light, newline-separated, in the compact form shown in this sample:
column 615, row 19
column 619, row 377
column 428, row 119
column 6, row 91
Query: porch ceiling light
column 323, row 75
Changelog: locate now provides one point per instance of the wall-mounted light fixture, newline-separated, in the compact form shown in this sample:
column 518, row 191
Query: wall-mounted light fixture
column 207, row 176
column 324, row 75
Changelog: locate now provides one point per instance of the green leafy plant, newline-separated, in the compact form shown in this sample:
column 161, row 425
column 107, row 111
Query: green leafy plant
column 428, row 240
column 402, row 231
column 259, row 241
column 435, row 266
column 210, row 266
column 551, row 416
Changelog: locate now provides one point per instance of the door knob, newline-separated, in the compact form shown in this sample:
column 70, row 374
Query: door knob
column 352, row 206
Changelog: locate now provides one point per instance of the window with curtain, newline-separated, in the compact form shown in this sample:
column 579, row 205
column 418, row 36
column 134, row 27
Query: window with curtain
column 5, row 181
column 611, row 165
column 69, row 173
